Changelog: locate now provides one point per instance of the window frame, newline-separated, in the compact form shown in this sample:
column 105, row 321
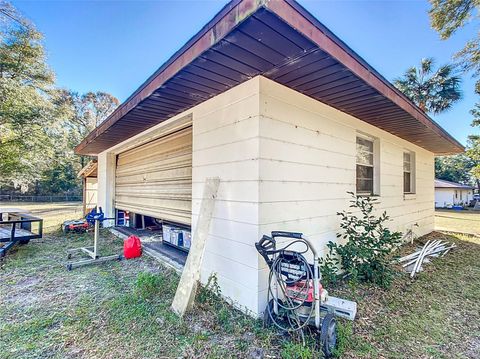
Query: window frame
column 409, row 171
column 374, row 165
column 412, row 172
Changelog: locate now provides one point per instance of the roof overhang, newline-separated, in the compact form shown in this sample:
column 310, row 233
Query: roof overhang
column 451, row 185
column 280, row 40
column 90, row 170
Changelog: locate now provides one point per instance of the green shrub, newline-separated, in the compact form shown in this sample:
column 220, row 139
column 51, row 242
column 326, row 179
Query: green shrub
column 366, row 254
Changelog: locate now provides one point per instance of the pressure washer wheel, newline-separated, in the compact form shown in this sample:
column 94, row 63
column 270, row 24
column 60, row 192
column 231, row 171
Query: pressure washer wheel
column 328, row 335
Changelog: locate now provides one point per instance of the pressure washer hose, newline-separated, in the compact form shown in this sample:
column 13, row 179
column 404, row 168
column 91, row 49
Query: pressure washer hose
column 291, row 304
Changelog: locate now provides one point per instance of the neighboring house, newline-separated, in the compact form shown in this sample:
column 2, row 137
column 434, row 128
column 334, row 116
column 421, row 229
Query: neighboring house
column 448, row 193
column 90, row 184
column 289, row 117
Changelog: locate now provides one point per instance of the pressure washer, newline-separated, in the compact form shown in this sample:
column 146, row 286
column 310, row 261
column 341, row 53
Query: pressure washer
column 296, row 299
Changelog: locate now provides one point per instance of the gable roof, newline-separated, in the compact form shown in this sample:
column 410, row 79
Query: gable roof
column 89, row 170
column 280, row 40
column 447, row 184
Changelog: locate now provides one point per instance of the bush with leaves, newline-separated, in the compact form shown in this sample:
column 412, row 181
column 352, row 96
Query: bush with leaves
column 366, row 254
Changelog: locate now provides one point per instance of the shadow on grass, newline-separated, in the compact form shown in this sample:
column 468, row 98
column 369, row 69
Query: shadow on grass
column 436, row 314
column 122, row 309
column 114, row 309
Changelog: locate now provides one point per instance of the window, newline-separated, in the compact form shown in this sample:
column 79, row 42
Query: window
column 365, row 166
column 408, row 172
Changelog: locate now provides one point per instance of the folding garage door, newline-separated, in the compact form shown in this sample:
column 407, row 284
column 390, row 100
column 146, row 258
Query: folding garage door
column 155, row 179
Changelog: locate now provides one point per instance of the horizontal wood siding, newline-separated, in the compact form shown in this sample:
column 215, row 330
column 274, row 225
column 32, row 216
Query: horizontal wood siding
column 446, row 196
column 226, row 144
column 307, row 165
column 285, row 162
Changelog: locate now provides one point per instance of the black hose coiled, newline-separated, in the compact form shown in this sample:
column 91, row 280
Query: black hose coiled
column 288, row 318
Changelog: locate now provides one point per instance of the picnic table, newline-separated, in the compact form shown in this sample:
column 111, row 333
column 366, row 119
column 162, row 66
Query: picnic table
column 16, row 227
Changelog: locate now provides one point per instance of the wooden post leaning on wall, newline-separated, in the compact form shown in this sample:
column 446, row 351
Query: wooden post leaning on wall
column 187, row 287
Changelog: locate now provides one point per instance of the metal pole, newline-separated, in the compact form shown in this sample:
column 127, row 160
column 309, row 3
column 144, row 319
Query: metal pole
column 275, row 293
column 316, row 281
column 95, row 241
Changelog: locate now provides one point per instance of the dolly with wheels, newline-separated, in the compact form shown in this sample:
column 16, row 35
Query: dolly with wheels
column 92, row 251
column 295, row 298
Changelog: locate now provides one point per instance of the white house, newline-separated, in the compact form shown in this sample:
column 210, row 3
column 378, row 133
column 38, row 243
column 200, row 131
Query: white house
column 289, row 117
column 448, row 193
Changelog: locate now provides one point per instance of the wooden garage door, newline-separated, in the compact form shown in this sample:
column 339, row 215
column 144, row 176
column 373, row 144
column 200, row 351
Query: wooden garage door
column 155, row 179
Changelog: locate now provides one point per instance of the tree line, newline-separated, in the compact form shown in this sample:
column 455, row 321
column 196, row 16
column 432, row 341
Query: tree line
column 436, row 90
column 40, row 123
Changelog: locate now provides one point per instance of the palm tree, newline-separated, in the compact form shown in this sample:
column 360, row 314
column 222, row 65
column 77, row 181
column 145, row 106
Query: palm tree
column 432, row 91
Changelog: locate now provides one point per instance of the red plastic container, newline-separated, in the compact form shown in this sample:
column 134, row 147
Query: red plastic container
column 132, row 247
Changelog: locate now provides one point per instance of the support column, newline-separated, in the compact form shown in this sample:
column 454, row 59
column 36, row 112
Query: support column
column 106, row 185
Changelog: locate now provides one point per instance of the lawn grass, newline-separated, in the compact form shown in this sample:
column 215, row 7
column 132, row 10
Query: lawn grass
column 113, row 310
column 121, row 310
column 52, row 213
column 459, row 221
column 434, row 315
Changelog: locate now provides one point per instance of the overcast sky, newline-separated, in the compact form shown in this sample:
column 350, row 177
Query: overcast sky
column 114, row 46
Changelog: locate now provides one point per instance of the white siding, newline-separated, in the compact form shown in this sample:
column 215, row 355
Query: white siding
column 285, row 162
column 91, row 189
column 226, row 144
column 446, row 197
column 307, row 165
column 106, row 184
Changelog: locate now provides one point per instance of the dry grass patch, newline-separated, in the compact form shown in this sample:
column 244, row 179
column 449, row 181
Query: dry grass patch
column 121, row 310
column 434, row 315
column 52, row 213
column 112, row 310
column 458, row 221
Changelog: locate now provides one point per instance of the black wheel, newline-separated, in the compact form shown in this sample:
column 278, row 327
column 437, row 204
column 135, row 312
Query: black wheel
column 328, row 335
column 24, row 241
column 267, row 319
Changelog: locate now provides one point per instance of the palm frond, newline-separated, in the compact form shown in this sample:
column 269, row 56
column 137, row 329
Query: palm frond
column 432, row 90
